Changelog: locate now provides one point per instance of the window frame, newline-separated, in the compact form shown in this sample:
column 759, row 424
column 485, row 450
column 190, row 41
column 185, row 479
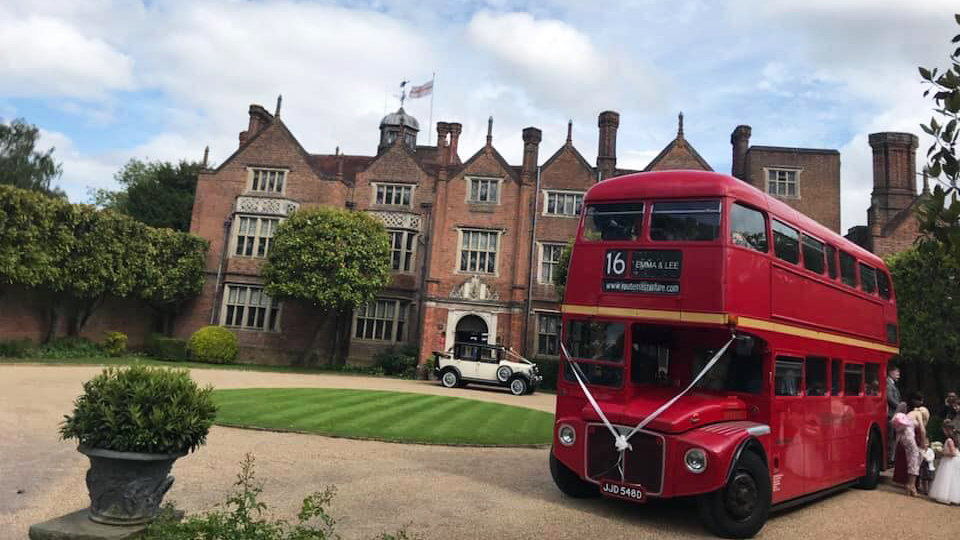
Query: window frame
column 786, row 182
column 861, row 392
column 556, row 336
column 541, row 279
column 562, row 193
column 823, row 253
column 730, row 231
column 252, row 177
column 269, row 307
column 461, row 234
column 799, row 248
column 235, row 235
column 407, row 255
column 497, row 182
column 855, row 281
column 399, row 322
column 830, row 251
column 653, row 213
column 789, row 359
column 376, row 186
column 861, row 266
column 620, row 365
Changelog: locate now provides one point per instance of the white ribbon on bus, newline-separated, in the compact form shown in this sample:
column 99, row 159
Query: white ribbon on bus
column 622, row 441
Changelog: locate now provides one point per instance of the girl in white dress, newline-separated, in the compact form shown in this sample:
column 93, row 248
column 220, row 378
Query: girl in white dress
column 946, row 485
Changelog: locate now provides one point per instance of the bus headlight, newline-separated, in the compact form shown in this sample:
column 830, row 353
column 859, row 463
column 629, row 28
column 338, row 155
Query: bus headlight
column 566, row 434
column 696, row 460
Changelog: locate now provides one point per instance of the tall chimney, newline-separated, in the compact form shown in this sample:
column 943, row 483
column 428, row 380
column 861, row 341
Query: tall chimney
column 894, row 173
column 740, row 140
column 259, row 119
column 608, row 122
column 443, row 129
column 531, row 149
column 455, row 129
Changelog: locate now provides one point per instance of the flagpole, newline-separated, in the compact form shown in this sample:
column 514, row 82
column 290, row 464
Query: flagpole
column 430, row 126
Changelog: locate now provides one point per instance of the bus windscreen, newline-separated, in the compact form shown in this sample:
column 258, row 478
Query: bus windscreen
column 614, row 221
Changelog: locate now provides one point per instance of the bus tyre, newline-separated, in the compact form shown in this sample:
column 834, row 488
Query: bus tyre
column 740, row 508
column 872, row 476
column 449, row 378
column 569, row 483
column 518, row 386
column 504, row 373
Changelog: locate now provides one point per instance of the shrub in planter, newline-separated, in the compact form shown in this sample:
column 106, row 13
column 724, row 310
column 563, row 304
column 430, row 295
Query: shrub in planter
column 164, row 348
column 214, row 345
column 133, row 423
column 16, row 348
column 115, row 343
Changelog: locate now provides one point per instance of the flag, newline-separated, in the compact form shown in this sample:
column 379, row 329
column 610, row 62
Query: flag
column 420, row 91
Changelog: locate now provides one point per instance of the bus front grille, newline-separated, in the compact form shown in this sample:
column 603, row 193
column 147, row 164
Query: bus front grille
column 643, row 464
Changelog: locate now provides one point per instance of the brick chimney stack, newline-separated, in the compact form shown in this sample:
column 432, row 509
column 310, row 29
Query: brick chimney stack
column 894, row 175
column 740, row 140
column 259, row 119
column 531, row 149
column 455, row 129
column 443, row 129
column 608, row 122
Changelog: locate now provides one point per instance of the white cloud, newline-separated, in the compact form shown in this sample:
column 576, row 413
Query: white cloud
column 44, row 56
column 81, row 171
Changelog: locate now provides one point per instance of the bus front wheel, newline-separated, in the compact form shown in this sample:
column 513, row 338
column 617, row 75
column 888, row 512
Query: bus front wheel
column 874, row 454
column 569, row 483
column 740, row 508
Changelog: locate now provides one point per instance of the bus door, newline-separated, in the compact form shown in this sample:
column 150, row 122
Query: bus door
column 786, row 426
column 853, row 435
column 817, row 428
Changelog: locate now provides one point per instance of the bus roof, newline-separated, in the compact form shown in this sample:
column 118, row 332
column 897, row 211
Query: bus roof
column 693, row 184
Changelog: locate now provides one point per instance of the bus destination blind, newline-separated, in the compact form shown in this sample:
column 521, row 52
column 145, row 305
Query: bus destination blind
column 642, row 271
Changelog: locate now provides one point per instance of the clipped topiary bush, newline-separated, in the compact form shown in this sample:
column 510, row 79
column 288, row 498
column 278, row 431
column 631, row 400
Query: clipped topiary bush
column 141, row 409
column 16, row 348
column 213, row 345
column 164, row 348
column 115, row 343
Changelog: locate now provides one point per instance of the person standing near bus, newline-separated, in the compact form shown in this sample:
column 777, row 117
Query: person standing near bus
column 893, row 400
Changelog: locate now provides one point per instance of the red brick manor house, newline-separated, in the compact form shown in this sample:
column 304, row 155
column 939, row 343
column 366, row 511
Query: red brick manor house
column 475, row 242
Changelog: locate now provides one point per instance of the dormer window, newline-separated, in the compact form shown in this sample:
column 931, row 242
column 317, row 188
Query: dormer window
column 267, row 180
column 393, row 194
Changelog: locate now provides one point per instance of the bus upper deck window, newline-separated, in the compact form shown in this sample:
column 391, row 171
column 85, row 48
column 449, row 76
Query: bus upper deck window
column 812, row 254
column 883, row 284
column 848, row 269
column 832, row 261
column 613, row 221
column 786, row 242
column 685, row 221
column 868, row 278
column 748, row 228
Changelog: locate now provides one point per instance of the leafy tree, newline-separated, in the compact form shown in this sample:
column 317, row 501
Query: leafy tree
column 23, row 166
column 173, row 273
column 939, row 217
column 563, row 266
column 157, row 193
column 927, row 284
column 333, row 259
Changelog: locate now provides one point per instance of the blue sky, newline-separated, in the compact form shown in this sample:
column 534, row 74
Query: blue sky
column 111, row 80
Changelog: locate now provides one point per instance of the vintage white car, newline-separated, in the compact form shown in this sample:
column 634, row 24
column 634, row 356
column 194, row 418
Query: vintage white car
column 486, row 364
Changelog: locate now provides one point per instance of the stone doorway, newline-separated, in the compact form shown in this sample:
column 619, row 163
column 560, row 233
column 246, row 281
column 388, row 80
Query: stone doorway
column 471, row 329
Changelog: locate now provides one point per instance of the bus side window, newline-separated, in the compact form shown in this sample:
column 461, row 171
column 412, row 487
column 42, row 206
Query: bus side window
column 852, row 379
column 748, row 228
column 816, row 376
column 868, row 279
column 812, row 254
column 873, row 379
column 835, row 377
column 832, row 261
column 786, row 242
column 848, row 269
column 788, row 376
column 883, row 284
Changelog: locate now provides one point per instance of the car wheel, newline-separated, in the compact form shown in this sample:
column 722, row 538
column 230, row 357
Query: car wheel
column 504, row 373
column 518, row 386
column 740, row 508
column 872, row 476
column 569, row 483
column 449, row 378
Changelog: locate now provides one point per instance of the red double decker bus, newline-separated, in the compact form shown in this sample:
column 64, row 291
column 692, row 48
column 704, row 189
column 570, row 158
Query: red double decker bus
column 718, row 343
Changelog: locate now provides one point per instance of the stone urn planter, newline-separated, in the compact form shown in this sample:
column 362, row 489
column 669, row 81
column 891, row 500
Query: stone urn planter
column 133, row 424
column 126, row 488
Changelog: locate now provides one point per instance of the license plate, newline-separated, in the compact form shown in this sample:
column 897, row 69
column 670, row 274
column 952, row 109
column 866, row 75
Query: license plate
column 623, row 491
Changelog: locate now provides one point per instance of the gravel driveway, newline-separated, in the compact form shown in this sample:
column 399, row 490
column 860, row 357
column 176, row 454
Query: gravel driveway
column 438, row 492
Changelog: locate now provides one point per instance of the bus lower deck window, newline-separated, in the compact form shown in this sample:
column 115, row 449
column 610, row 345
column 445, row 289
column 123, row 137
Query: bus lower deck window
column 852, row 379
column 786, row 242
column 696, row 221
column 613, row 221
column 788, row 376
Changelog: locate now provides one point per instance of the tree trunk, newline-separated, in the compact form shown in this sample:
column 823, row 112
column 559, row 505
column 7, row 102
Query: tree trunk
column 341, row 338
column 306, row 355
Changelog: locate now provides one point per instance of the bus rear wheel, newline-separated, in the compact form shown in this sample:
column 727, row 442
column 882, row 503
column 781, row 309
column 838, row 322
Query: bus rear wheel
column 740, row 508
column 872, row 476
column 569, row 483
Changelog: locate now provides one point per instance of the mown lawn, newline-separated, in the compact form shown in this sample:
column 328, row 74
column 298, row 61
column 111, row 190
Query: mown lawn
column 128, row 360
column 387, row 416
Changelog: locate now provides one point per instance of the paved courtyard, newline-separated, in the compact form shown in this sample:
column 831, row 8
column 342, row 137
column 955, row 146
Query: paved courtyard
column 438, row 492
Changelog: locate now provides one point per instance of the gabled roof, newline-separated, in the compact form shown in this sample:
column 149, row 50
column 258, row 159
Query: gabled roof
column 328, row 165
column 679, row 154
column 569, row 147
column 513, row 172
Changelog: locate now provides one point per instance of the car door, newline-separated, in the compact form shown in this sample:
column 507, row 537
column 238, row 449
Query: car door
column 488, row 363
column 466, row 360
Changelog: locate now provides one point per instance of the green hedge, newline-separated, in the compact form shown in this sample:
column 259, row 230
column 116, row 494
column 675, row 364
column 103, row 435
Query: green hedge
column 17, row 348
column 164, row 348
column 397, row 361
column 549, row 369
column 213, row 345
column 71, row 347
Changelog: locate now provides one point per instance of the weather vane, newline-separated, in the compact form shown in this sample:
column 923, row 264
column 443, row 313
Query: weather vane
column 403, row 92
